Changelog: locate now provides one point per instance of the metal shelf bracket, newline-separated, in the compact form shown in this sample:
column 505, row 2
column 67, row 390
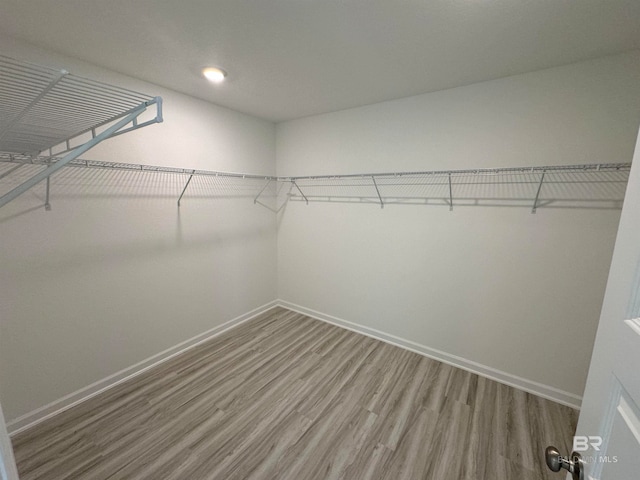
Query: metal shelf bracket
column 303, row 195
column 185, row 187
column 47, row 204
column 255, row 200
column 377, row 191
column 535, row 201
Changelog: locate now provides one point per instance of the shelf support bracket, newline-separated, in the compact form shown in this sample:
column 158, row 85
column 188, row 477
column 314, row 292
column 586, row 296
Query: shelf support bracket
column 157, row 101
column 450, row 195
column 255, row 200
column 47, row 205
column 303, row 195
column 535, row 202
column 185, row 187
column 377, row 191
column 53, row 168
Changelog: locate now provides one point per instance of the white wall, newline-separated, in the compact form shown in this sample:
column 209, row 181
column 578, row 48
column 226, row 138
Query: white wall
column 512, row 291
column 115, row 273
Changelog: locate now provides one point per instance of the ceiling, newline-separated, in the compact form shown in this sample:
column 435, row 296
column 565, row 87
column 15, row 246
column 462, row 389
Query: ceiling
column 292, row 58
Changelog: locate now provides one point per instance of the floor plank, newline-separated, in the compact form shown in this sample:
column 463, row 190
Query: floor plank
column 288, row 397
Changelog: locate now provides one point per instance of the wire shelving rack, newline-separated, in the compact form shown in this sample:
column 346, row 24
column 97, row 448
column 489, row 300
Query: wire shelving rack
column 570, row 186
column 589, row 186
column 49, row 118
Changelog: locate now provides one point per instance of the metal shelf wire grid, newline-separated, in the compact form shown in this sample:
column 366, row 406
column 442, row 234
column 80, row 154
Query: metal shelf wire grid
column 587, row 186
column 42, row 107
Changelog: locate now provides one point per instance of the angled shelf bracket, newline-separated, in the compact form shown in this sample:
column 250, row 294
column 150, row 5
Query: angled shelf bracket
column 298, row 188
column 535, row 201
column 255, row 200
column 185, row 187
column 373, row 178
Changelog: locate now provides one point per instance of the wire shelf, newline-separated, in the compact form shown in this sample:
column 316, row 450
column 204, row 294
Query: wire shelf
column 41, row 107
column 43, row 110
column 577, row 186
column 588, row 186
column 80, row 163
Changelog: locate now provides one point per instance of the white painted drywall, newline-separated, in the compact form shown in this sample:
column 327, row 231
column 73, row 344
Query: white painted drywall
column 517, row 292
column 115, row 273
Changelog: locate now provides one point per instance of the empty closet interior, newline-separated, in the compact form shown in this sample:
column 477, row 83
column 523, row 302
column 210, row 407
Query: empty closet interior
column 472, row 226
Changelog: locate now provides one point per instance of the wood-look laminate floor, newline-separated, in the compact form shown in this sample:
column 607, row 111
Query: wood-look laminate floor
column 288, row 397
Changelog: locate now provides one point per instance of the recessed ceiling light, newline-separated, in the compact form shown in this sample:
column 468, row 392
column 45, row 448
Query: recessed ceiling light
column 213, row 74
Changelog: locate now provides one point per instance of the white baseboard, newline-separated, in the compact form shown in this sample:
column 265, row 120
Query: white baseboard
column 545, row 391
column 34, row 417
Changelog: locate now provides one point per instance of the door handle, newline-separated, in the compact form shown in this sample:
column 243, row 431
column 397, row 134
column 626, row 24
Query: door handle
column 557, row 462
